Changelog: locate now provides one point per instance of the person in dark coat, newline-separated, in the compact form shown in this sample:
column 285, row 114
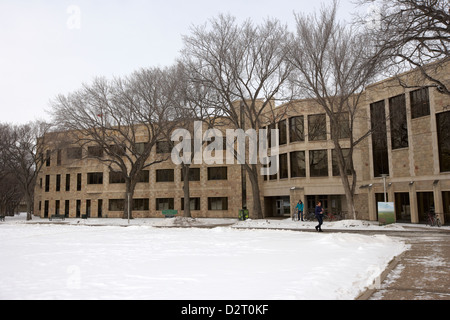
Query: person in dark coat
column 319, row 216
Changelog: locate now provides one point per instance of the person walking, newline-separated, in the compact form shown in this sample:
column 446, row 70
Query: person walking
column 299, row 207
column 319, row 216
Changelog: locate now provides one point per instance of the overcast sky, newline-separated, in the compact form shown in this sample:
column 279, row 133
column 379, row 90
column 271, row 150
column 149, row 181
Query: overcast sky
column 48, row 47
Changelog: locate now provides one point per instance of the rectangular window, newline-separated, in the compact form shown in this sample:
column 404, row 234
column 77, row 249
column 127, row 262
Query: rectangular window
column 379, row 138
column 78, row 209
column 317, row 127
column 298, row 165
column 282, row 132
column 144, row 176
column 165, row 175
column 140, row 204
column 270, row 127
column 116, row 177
column 443, row 132
column 217, row 173
column 194, row 174
column 194, row 203
column 47, row 183
column 163, row 147
column 140, row 147
column 74, row 153
column 346, row 153
column 318, row 163
column 79, row 182
column 58, row 182
column 68, row 182
column 164, row 204
column 218, row 203
column 58, row 157
column 95, row 178
column 117, row 150
column 57, row 207
column 343, row 129
column 67, row 208
column 47, row 158
column 283, row 166
column 95, row 151
column 420, row 103
column 116, row 205
column 296, row 129
column 399, row 127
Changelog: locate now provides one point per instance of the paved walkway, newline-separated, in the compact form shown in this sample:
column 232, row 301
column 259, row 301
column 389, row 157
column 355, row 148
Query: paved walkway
column 420, row 273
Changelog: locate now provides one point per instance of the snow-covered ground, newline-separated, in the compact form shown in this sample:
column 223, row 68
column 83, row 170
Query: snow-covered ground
column 101, row 259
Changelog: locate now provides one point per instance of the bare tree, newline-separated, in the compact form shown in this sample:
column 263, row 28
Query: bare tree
column 333, row 67
column 125, row 118
column 414, row 34
column 23, row 156
column 243, row 68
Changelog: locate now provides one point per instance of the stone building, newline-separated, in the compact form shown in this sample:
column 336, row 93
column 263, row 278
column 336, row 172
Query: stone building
column 406, row 159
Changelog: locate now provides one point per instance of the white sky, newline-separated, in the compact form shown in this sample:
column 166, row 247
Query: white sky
column 46, row 48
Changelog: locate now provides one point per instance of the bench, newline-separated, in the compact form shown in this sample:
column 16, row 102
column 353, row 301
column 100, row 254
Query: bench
column 2, row 218
column 57, row 216
column 170, row 213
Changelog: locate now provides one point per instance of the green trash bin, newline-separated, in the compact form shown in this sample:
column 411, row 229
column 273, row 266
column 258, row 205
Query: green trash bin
column 243, row 214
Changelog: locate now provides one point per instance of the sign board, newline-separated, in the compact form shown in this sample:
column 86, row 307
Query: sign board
column 386, row 213
column 170, row 213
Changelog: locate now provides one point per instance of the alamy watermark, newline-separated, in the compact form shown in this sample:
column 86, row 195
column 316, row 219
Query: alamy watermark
column 74, row 20
column 190, row 149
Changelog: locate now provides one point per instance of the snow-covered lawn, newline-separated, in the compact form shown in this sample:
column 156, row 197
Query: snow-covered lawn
column 78, row 261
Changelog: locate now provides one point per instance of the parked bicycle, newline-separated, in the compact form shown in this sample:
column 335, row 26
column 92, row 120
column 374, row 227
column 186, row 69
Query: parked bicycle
column 433, row 219
column 333, row 216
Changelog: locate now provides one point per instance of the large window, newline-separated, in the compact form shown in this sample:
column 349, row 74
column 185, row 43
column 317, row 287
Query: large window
column 95, row 178
column 74, row 153
column 282, row 132
column 379, row 139
column 298, row 165
column 420, row 103
column 343, row 128
column 346, row 153
column 217, row 173
column 399, row 126
column 137, row 204
column 141, row 204
column 116, row 177
column 164, row 204
column 283, row 166
column 163, row 147
column 296, row 129
column 218, row 203
column 194, row 174
column 318, row 163
column 116, row 205
column 317, row 127
column 194, row 203
column 443, row 125
column 95, row 151
column 165, row 175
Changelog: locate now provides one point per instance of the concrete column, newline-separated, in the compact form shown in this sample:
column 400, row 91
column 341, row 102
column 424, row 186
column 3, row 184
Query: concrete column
column 413, row 204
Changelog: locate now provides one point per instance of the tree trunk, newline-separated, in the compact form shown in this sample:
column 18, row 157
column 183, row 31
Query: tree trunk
column 129, row 193
column 253, row 176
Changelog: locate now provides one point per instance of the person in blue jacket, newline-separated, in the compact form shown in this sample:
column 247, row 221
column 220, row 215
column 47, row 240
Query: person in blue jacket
column 299, row 207
column 319, row 216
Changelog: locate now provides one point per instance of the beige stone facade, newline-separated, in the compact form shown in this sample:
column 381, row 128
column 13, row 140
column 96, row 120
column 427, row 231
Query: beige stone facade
column 416, row 181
